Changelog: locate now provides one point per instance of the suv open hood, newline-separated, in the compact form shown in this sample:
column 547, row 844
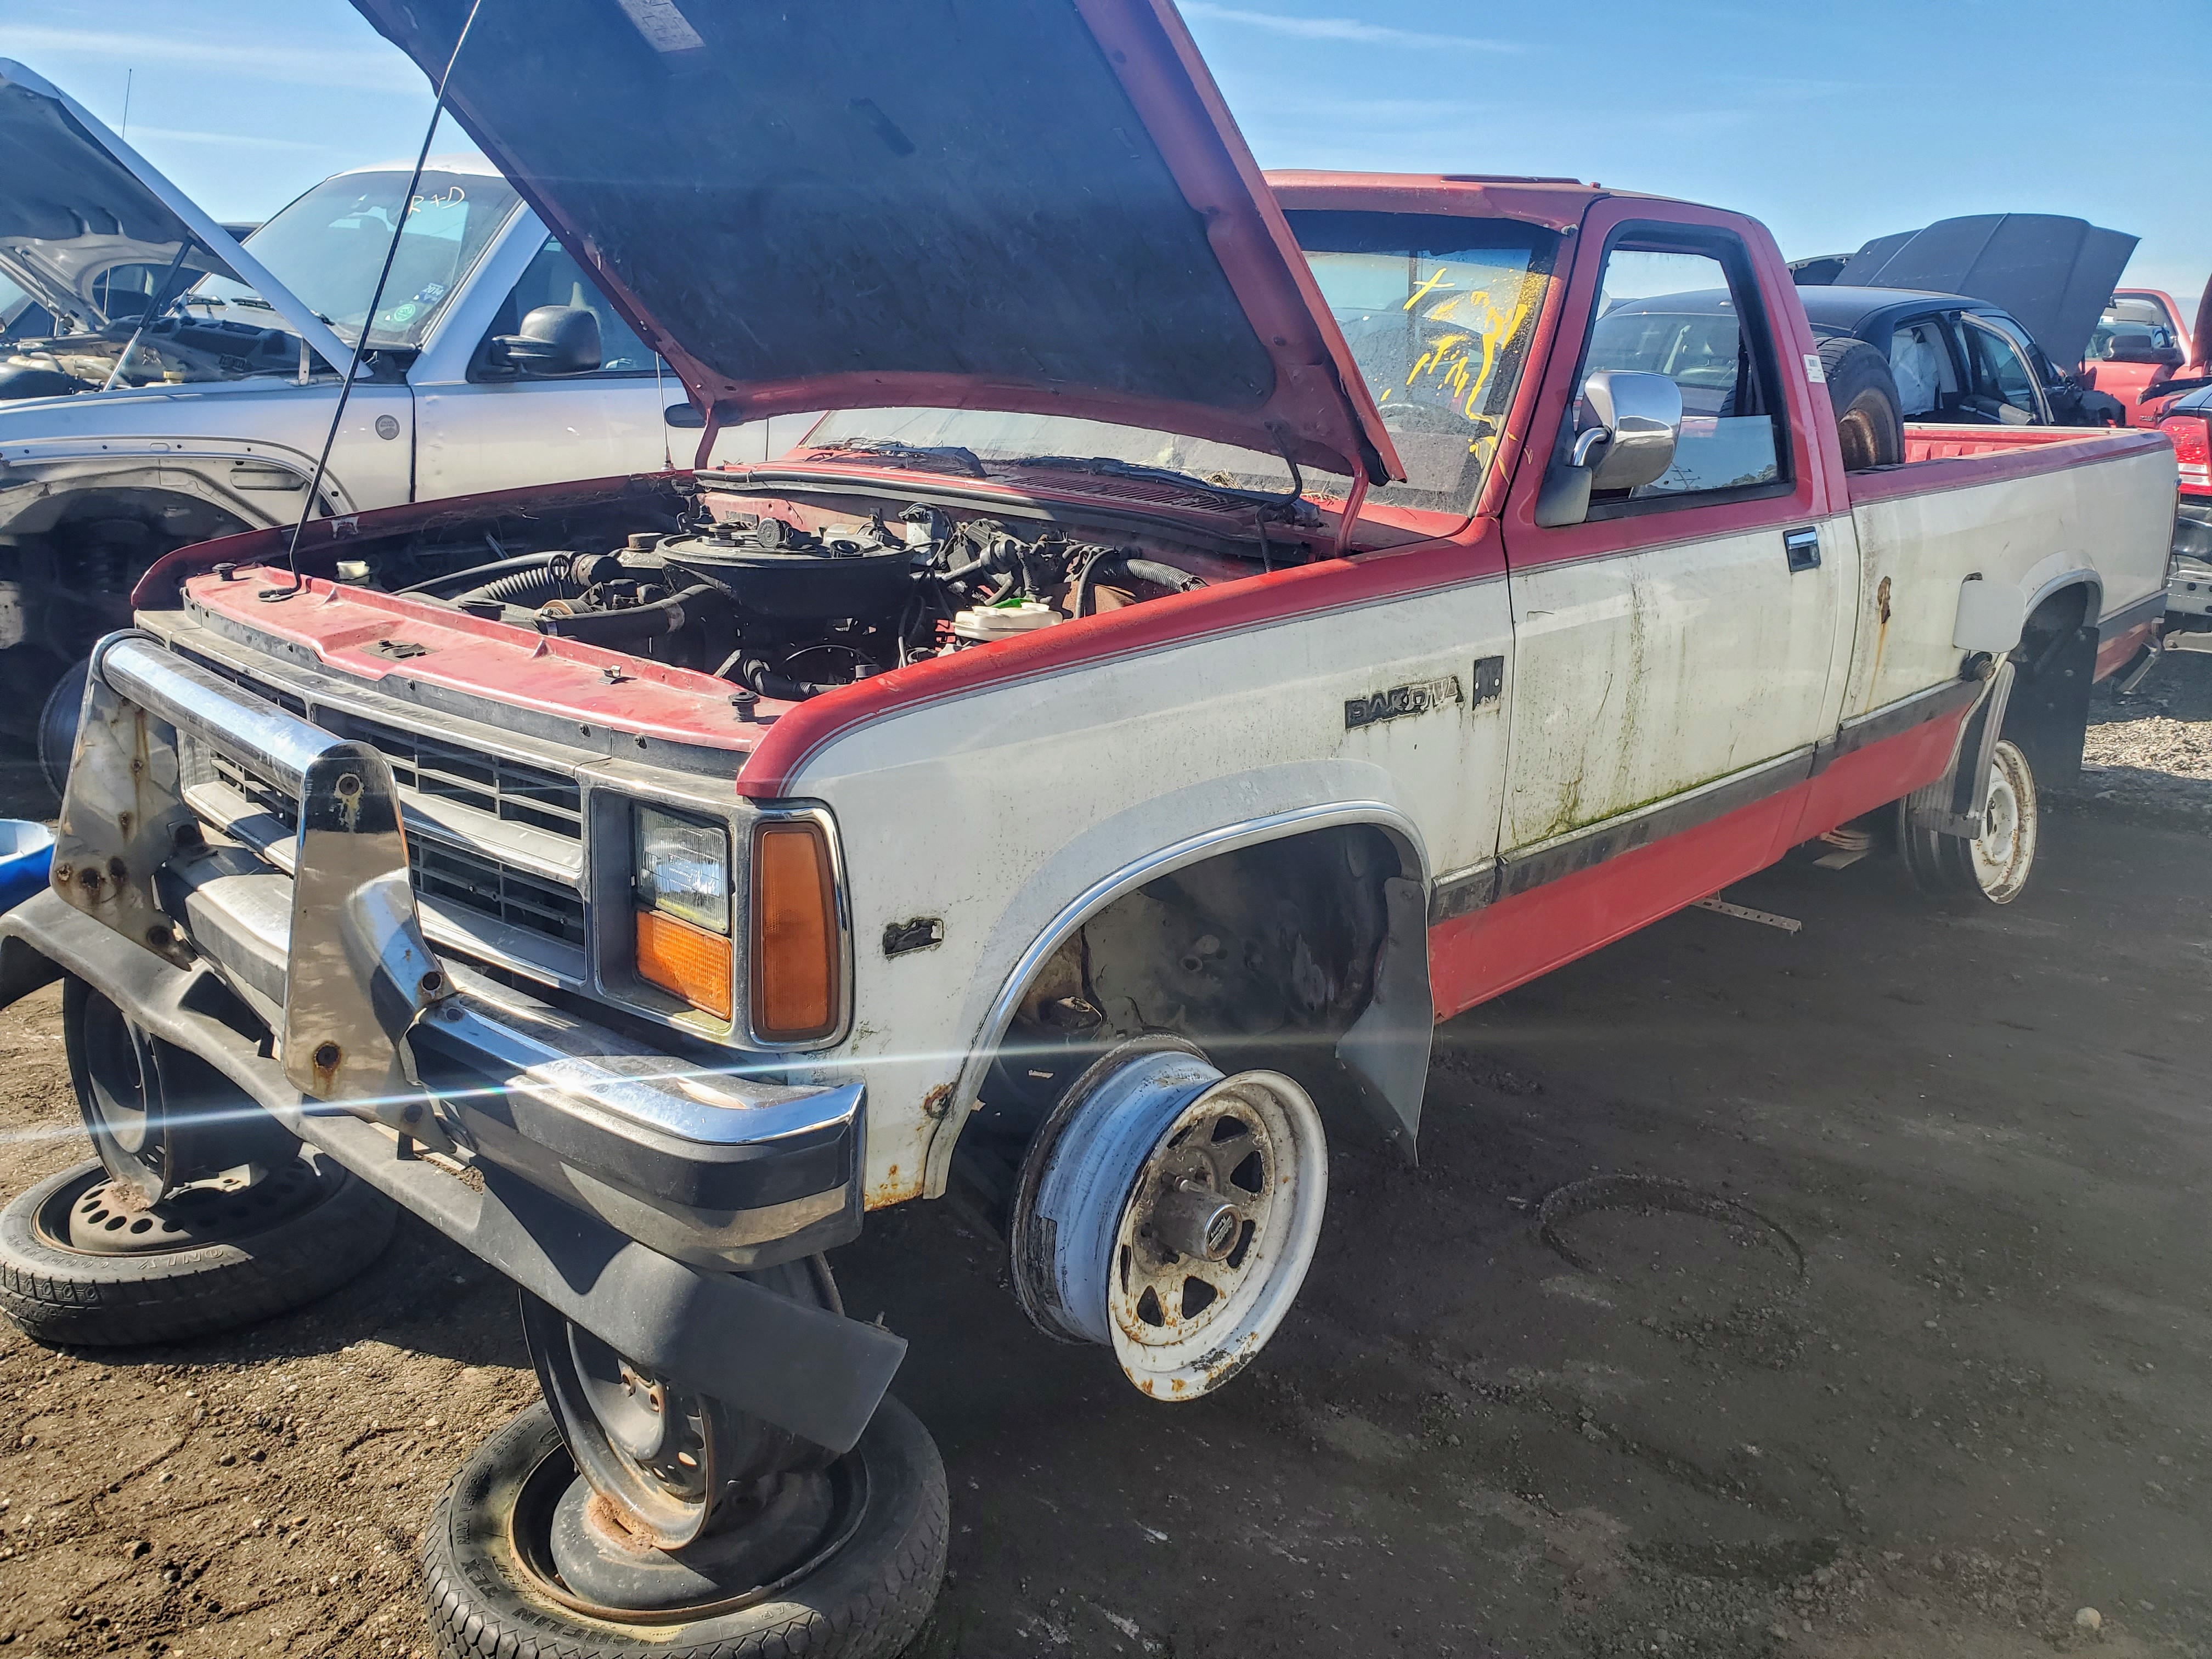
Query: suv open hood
column 76, row 202
column 1032, row 205
column 2052, row 273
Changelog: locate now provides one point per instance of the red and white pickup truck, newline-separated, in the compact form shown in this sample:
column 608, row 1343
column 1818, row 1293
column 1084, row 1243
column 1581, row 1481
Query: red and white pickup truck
column 1227, row 626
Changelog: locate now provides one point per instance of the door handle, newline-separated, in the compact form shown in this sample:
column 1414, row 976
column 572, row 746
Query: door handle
column 1802, row 549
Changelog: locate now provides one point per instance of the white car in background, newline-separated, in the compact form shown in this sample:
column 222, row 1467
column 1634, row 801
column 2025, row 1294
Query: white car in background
column 123, row 437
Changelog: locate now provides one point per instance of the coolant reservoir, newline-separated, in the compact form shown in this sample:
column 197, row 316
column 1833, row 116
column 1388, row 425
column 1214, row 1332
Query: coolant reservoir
column 998, row 621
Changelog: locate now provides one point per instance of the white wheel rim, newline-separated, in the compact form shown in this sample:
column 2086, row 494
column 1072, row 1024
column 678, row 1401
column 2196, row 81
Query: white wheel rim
column 1164, row 1119
column 2005, row 849
column 1169, row 1347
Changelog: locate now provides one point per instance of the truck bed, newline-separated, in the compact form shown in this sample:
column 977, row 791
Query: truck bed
column 2042, row 508
column 1954, row 457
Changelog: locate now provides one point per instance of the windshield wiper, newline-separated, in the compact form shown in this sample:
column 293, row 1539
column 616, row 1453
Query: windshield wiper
column 946, row 458
column 1117, row 469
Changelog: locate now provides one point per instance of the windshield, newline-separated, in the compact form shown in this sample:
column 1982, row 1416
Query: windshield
column 992, row 437
column 1438, row 313
column 2131, row 308
column 328, row 246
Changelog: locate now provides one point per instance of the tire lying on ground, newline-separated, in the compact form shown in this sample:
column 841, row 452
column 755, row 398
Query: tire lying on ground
column 81, row 1266
column 1868, row 423
column 491, row 1594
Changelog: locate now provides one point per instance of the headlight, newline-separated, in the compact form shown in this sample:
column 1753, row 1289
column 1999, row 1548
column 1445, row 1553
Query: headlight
column 683, row 869
column 683, row 894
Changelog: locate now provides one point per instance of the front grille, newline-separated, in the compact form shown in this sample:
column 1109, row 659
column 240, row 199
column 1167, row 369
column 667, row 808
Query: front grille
column 439, row 770
column 436, row 768
column 496, row 890
column 446, row 874
column 235, row 775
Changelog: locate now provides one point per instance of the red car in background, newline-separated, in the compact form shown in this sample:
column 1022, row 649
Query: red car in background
column 2140, row 345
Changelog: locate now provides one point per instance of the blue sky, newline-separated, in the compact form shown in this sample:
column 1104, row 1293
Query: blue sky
column 1832, row 122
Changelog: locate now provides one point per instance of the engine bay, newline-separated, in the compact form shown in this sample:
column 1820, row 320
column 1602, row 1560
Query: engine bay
column 788, row 595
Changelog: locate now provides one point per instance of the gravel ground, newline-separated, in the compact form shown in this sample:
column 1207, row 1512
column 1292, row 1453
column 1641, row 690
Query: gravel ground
column 2150, row 755
column 1915, row 1359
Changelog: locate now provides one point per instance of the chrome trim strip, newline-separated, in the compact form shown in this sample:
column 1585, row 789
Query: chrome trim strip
column 2149, row 608
column 1528, row 867
column 1862, row 731
column 741, row 923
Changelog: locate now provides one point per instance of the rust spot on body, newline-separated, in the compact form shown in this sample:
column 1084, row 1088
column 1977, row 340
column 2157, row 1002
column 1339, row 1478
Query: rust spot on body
column 938, row 1101
column 896, row 1188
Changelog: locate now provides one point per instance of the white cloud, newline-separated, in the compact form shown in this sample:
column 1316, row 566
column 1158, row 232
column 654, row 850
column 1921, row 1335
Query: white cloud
column 1338, row 29
column 141, row 136
column 342, row 64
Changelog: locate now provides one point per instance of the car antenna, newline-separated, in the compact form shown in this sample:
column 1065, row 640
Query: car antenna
column 375, row 299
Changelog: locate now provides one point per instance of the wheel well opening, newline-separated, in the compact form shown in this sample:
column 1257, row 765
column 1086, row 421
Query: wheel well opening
column 1264, row 956
column 2054, row 666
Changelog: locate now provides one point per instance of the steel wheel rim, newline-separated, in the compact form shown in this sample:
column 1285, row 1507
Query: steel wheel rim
column 120, row 1102
column 657, row 1461
column 83, row 1215
column 2001, row 854
column 528, row 1524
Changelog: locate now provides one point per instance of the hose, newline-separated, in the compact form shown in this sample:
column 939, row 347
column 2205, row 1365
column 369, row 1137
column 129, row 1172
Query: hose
column 528, row 588
column 477, row 573
column 1163, row 575
column 755, row 674
column 1144, row 570
column 637, row 622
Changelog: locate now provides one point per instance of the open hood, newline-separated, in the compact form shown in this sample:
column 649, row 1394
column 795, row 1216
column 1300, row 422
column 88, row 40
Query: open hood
column 2053, row 273
column 1031, row 205
column 77, row 203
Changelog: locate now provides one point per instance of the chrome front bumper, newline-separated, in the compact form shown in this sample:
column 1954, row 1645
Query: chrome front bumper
column 695, row 1159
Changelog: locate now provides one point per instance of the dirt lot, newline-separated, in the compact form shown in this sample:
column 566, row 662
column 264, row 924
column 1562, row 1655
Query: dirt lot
column 1937, row 1385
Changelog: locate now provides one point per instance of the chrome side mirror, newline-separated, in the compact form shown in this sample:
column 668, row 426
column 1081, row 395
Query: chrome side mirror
column 1634, row 420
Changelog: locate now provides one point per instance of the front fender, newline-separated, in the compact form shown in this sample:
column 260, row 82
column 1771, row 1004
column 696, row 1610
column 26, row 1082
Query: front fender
column 1180, row 828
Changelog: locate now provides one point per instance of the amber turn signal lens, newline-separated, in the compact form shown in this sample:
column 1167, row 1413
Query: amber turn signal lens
column 684, row 961
column 795, row 934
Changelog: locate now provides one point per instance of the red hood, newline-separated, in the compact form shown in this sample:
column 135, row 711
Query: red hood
column 1034, row 205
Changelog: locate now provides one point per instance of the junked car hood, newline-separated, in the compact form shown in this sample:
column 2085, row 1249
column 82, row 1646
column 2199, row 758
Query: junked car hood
column 76, row 202
column 1028, row 205
column 2052, row 273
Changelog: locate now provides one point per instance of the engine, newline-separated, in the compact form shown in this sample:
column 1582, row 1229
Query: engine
column 789, row 600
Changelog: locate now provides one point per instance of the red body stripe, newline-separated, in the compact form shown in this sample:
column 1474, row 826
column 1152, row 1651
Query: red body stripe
column 1488, row 952
column 2113, row 654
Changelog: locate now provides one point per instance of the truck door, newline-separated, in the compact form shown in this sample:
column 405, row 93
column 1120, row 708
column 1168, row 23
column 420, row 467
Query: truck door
column 1674, row 654
column 478, row 429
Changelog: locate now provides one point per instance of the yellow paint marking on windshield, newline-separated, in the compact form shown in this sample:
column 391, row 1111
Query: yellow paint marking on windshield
column 1433, row 358
column 1450, row 365
column 1419, row 292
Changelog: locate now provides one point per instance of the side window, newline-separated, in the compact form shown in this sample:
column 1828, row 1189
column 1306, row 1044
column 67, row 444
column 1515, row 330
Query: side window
column 1926, row 381
column 2002, row 387
column 1694, row 318
column 554, row 278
